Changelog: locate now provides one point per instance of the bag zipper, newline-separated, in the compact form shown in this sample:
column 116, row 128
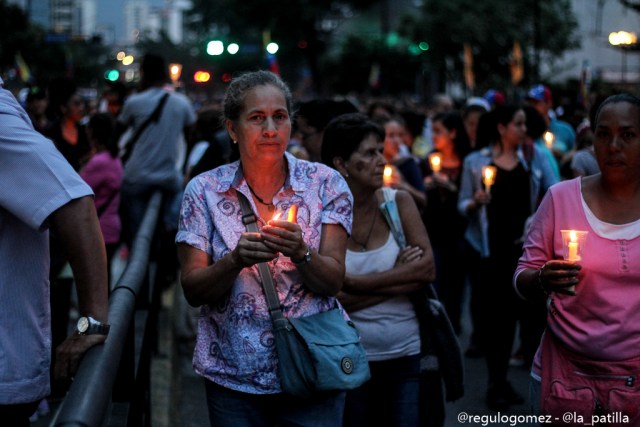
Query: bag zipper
column 628, row 379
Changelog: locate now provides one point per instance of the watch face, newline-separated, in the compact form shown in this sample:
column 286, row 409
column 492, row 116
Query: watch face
column 83, row 325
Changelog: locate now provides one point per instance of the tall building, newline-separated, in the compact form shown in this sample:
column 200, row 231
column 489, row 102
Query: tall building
column 136, row 19
column 75, row 18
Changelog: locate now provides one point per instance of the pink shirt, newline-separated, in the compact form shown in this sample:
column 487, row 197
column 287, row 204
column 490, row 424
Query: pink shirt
column 104, row 174
column 602, row 321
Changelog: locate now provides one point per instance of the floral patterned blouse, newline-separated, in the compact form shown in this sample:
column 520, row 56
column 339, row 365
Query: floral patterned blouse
column 234, row 346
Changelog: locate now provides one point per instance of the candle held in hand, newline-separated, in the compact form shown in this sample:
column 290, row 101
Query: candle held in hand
column 488, row 177
column 293, row 214
column 436, row 162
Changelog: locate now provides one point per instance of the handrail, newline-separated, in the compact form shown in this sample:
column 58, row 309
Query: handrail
column 89, row 396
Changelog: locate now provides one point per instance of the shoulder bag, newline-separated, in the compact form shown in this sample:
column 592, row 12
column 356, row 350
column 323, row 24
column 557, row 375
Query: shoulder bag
column 321, row 352
column 436, row 333
column 153, row 118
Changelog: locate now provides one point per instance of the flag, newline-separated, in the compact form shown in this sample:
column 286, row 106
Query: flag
column 23, row 68
column 517, row 68
column 585, row 85
column 374, row 76
column 469, row 76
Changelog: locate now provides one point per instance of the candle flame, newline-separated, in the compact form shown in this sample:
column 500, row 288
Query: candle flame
column 436, row 162
column 276, row 216
column 293, row 214
column 573, row 236
column 488, row 175
column 548, row 138
column 387, row 171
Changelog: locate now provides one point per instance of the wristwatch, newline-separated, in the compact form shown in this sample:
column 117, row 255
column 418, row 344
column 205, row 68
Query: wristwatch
column 90, row 326
column 305, row 259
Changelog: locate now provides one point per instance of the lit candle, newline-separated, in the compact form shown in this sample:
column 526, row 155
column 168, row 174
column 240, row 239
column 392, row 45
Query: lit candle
column 488, row 177
column 573, row 246
column 387, row 175
column 548, row 139
column 436, row 162
column 573, row 242
column 293, row 214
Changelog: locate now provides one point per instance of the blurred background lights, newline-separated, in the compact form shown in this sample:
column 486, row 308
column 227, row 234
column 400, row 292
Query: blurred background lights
column 233, row 48
column 272, row 48
column 215, row 47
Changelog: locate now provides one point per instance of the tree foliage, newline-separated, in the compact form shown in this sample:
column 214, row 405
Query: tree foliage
column 544, row 28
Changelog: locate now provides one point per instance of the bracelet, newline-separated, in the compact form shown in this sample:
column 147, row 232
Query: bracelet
column 542, row 288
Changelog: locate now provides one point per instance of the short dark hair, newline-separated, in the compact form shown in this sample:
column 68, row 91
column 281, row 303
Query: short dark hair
column 319, row 112
column 343, row 135
column 614, row 99
column 237, row 91
column 153, row 68
column 102, row 129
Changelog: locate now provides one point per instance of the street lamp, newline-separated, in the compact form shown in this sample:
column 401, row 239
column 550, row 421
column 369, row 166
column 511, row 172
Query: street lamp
column 624, row 40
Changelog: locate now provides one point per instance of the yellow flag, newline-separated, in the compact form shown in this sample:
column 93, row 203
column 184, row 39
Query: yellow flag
column 469, row 76
column 23, row 68
column 517, row 69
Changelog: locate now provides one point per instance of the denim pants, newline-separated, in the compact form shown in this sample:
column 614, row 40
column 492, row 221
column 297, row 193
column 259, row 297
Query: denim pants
column 391, row 398
column 229, row 408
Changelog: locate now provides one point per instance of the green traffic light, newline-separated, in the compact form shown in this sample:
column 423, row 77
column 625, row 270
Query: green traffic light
column 112, row 75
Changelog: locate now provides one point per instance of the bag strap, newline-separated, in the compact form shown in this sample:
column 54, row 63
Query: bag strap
column 249, row 220
column 153, row 117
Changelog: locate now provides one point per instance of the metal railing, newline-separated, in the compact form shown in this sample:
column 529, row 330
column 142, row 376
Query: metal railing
column 111, row 386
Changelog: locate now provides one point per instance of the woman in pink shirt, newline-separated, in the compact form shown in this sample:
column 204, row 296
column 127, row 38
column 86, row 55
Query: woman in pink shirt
column 103, row 172
column 588, row 362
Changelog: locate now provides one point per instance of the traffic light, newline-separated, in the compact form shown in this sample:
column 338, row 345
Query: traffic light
column 215, row 48
column 112, row 75
column 201, row 76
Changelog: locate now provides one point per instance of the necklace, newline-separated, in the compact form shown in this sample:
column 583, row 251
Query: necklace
column 366, row 242
column 270, row 206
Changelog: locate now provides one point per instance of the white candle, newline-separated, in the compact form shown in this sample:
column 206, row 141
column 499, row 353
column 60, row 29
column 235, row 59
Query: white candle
column 573, row 251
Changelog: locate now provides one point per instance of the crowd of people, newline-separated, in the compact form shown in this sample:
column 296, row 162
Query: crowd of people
column 483, row 188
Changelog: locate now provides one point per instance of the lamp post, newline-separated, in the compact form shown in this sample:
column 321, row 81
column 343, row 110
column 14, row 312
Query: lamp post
column 624, row 40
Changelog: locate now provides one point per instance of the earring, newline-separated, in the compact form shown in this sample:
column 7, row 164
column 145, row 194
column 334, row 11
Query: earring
column 235, row 141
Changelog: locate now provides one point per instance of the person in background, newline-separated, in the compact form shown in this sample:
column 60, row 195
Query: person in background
column 311, row 119
column 593, row 303
column 66, row 130
column 583, row 161
column 380, row 276
column 446, row 226
column 406, row 173
column 103, row 172
column 41, row 191
column 564, row 136
column 471, row 113
column 36, row 106
column 152, row 165
column 497, row 215
column 235, row 351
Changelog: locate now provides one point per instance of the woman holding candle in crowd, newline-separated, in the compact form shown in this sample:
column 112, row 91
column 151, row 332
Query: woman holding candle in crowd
column 446, row 226
column 494, row 235
column 379, row 277
column 593, row 302
column 235, row 352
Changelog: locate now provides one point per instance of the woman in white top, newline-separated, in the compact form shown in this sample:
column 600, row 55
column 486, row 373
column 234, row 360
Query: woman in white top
column 379, row 277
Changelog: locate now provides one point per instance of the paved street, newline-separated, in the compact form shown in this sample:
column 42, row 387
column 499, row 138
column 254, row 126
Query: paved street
column 178, row 398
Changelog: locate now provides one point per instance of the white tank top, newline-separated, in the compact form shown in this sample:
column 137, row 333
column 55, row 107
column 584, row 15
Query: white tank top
column 389, row 330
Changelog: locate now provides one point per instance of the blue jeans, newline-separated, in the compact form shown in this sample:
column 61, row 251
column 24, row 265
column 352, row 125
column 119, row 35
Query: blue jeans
column 391, row 398
column 229, row 408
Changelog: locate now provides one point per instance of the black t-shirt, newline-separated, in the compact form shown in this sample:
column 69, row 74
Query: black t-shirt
column 509, row 208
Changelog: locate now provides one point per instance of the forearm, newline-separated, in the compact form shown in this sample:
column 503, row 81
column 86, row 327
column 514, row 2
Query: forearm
column 529, row 286
column 353, row 303
column 76, row 223
column 208, row 284
column 409, row 277
column 323, row 274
